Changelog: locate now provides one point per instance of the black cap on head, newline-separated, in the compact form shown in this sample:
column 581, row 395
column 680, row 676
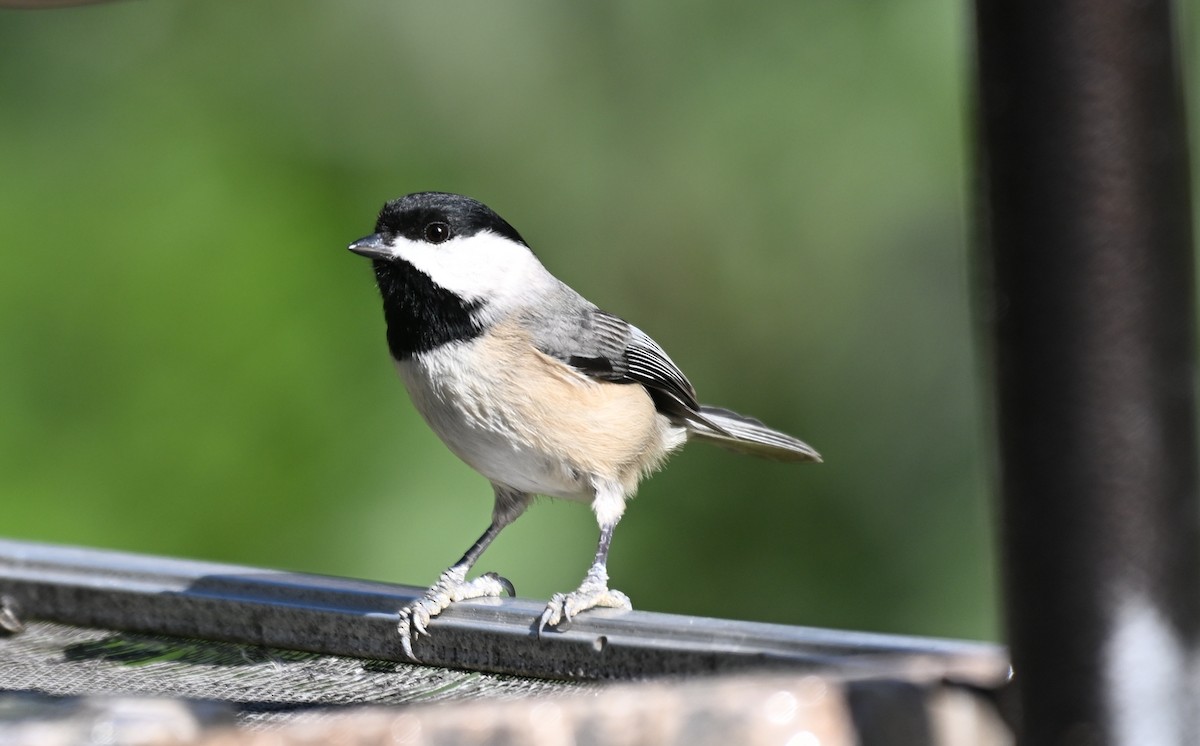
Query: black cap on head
column 411, row 215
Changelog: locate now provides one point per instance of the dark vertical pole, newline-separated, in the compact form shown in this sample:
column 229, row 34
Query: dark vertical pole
column 1086, row 212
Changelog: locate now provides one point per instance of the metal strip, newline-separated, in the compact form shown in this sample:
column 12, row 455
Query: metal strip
column 338, row 616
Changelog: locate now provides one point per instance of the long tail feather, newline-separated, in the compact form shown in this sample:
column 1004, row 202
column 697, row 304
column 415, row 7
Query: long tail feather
column 747, row 435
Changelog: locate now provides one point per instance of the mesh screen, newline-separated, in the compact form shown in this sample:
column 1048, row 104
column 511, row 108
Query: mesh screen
column 263, row 685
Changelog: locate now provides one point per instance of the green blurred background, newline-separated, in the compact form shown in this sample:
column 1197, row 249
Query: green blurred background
column 194, row 365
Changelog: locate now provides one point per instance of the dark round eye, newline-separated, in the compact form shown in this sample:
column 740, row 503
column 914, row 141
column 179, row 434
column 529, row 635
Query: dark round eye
column 437, row 232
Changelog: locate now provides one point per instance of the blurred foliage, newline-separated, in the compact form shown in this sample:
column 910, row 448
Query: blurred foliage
column 194, row 365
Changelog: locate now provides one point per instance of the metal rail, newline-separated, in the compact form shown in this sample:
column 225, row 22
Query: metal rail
column 138, row 593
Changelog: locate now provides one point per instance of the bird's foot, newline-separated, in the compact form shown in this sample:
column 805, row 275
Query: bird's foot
column 564, row 606
column 10, row 620
column 451, row 586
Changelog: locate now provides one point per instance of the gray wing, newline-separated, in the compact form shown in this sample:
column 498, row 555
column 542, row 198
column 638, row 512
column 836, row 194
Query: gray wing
column 607, row 347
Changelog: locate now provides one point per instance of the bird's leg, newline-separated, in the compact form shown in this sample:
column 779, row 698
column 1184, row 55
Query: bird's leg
column 592, row 592
column 453, row 585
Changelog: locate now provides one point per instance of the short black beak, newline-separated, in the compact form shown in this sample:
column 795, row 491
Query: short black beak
column 372, row 247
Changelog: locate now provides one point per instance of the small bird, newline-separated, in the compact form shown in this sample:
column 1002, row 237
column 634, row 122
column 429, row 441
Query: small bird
column 531, row 385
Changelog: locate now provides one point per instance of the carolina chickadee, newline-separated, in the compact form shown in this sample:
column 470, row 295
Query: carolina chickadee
column 531, row 385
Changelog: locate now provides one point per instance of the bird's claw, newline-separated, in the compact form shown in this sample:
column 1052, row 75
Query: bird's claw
column 563, row 607
column 10, row 620
column 450, row 587
column 419, row 621
column 504, row 583
column 408, row 632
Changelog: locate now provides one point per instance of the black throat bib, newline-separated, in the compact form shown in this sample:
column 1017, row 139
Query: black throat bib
column 421, row 315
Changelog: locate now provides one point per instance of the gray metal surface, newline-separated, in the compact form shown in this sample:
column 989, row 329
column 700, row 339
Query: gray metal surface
column 155, row 595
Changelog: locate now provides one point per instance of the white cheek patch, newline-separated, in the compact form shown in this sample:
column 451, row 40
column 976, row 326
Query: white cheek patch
column 485, row 267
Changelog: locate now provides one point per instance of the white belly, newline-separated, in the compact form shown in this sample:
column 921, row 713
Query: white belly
column 460, row 403
column 527, row 422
